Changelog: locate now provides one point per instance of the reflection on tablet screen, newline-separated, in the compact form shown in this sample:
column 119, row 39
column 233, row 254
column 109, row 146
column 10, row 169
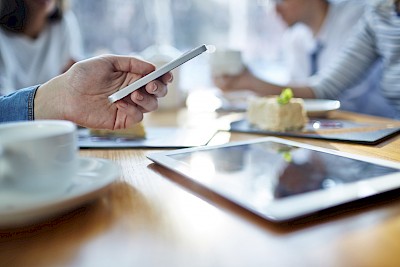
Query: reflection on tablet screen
column 261, row 172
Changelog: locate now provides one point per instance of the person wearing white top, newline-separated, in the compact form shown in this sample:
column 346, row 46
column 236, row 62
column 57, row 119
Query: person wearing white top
column 375, row 41
column 316, row 35
column 43, row 43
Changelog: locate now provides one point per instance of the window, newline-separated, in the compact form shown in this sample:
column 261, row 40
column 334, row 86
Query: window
column 131, row 26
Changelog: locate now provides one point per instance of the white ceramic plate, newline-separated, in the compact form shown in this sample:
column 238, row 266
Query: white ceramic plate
column 93, row 176
column 237, row 101
column 320, row 107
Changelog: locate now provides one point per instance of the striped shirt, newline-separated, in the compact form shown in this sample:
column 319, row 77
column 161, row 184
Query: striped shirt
column 378, row 38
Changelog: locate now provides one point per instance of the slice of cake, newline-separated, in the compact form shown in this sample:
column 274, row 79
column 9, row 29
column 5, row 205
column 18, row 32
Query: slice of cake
column 135, row 132
column 280, row 113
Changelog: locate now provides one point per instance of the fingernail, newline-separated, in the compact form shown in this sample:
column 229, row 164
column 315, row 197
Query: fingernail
column 139, row 97
column 171, row 78
column 155, row 87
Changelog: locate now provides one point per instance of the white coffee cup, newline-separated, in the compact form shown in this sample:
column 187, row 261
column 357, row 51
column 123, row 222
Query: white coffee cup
column 37, row 156
column 226, row 62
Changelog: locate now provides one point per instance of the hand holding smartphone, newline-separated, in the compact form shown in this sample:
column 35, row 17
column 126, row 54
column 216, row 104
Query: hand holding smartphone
column 157, row 73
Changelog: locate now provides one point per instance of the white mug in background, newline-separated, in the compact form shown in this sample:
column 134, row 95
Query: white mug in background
column 226, row 62
column 37, row 156
column 160, row 55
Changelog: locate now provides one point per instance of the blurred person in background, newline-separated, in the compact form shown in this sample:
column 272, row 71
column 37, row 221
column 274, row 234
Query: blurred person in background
column 375, row 41
column 317, row 30
column 39, row 39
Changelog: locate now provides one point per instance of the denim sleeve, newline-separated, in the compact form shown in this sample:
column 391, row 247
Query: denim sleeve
column 18, row 106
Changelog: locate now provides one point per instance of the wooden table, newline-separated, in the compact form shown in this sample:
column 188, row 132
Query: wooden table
column 150, row 218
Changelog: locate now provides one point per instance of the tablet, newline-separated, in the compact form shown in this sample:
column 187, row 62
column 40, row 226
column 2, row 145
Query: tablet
column 157, row 73
column 281, row 180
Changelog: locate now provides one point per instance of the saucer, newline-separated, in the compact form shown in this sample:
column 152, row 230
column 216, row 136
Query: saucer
column 238, row 102
column 320, row 107
column 92, row 177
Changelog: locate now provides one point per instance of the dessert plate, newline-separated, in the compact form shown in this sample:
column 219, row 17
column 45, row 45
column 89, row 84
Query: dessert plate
column 320, row 107
column 314, row 107
column 19, row 208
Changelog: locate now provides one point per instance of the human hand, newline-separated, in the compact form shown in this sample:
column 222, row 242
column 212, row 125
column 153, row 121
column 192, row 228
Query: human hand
column 81, row 94
column 247, row 81
column 241, row 81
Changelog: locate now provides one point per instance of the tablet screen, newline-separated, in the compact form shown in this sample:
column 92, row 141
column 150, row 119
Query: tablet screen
column 281, row 179
column 273, row 170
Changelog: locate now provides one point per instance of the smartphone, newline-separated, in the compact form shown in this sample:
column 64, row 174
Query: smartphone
column 157, row 73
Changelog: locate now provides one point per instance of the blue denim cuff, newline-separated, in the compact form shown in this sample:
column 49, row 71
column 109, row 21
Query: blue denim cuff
column 18, row 106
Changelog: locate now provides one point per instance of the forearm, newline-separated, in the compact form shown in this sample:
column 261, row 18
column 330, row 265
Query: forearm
column 263, row 88
column 350, row 66
column 48, row 102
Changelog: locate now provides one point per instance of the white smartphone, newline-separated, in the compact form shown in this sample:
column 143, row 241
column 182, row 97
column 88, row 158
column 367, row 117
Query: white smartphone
column 157, row 73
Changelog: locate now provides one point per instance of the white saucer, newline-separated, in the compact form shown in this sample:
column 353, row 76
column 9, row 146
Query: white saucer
column 94, row 175
column 238, row 102
column 320, row 107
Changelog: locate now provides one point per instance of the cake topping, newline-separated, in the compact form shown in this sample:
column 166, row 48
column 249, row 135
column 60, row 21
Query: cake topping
column 285, row 96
